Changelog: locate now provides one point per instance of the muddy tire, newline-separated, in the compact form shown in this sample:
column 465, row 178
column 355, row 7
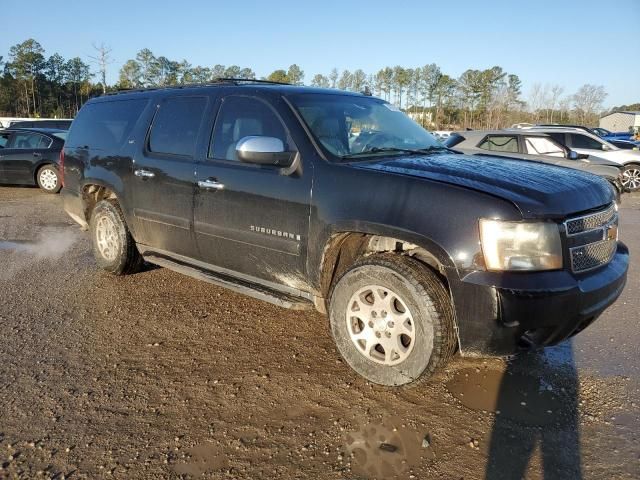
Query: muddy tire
column 48, row 179
column 392, row 320
column 113, row 246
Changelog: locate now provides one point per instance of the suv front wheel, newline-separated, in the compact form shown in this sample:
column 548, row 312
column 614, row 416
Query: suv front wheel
column 113, row 246
column 392, row 320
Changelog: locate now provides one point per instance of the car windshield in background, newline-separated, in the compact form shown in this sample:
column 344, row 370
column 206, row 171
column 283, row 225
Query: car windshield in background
column 351, row 127
column 61, row 135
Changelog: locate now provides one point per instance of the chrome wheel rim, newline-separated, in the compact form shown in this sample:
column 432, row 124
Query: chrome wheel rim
column 380, row 325
column 631, row 178
column 48, row 179
column 107, row 238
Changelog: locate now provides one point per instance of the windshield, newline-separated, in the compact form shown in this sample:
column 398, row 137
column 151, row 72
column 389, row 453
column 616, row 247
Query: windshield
column 351, row 127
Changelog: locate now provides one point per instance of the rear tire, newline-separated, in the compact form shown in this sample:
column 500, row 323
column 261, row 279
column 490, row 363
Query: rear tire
column 113, row 246
column 392, row 320
column 48, row 179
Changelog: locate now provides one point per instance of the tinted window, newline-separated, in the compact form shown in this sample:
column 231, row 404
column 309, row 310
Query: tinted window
column 28, row 140
column 557, row 136
column 176, row 125
column 453, row 140
column 241, row 117
column 105, row 125
column 4, row 139
column 582, row 141
column 500, row 143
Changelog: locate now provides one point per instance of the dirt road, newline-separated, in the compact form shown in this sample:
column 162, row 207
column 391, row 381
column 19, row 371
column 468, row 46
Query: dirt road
column 157, row 375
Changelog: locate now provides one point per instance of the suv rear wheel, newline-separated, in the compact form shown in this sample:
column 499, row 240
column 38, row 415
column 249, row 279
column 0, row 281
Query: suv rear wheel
column 113, row 246
column 48, row 179
column 392, row 320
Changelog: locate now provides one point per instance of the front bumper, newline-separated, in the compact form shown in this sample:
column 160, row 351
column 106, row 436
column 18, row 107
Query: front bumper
column 501, row 313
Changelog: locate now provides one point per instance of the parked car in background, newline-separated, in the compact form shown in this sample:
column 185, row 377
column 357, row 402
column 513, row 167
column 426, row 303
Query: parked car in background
column 583, row 141
column 441, row 135
column 56, row 124
column 608, row 135
column 533, row 146
column 412, row 249
column 626, row 144
column 599, row 131
column 30, row 156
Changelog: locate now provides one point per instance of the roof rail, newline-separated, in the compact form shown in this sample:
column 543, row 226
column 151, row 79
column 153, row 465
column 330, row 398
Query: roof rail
column 212, row 83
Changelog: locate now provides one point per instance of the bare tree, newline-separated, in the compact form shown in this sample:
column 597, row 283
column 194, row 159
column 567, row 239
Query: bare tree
column 587, row 101
column 103, row 59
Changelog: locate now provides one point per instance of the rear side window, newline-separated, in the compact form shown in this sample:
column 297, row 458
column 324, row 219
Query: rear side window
column 582, row 141
column 176, row 125
column 500, row 143
column 26, row 140
column 105, row 125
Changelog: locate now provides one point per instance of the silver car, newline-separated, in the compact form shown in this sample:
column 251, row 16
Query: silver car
column 533, row 146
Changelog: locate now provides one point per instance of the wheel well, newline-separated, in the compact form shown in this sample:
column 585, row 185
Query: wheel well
column 344, row 249
column 91, row 195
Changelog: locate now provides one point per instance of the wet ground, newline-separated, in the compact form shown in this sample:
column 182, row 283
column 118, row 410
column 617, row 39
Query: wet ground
column 157, row 375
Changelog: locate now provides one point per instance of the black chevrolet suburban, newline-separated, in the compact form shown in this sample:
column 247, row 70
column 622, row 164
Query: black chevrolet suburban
column 321, row 198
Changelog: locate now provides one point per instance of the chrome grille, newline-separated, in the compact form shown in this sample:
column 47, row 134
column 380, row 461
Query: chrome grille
column 590, row 222
column 592, row 238
column 592, row 255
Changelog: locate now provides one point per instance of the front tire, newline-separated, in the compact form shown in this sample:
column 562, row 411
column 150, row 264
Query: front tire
column 48, row 179
column 392, row 320
column 113, row 246
column 631, row 177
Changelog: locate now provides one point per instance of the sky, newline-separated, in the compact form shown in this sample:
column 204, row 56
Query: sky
column 566, row 42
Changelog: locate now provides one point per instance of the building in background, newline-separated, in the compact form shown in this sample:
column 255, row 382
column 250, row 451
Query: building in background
column 620, row 121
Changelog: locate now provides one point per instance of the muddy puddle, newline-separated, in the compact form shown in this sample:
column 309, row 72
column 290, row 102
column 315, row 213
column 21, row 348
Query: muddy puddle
column 525, row 398
column 202, row 459
column 386, row 449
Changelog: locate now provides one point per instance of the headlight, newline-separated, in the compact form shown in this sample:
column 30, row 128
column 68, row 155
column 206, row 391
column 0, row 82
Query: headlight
column 520, row 245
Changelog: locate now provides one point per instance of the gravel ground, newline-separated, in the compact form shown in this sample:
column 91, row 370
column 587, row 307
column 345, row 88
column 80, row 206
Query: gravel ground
column 157, row 375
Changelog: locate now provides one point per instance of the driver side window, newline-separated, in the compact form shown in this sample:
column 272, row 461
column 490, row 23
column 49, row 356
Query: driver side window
column 241, row 117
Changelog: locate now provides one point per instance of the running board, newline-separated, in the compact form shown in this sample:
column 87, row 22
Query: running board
column 232, row 283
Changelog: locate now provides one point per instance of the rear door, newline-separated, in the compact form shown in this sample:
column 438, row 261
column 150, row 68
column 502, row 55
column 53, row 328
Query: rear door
column 22, row 154
column 163, row 180
column 256, row 222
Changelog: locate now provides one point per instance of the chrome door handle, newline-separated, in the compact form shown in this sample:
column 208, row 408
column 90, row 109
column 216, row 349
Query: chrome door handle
column 36, row 154
column 144, row 173
column 211, row 184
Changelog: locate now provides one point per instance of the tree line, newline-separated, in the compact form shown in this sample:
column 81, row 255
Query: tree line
column 33, row 85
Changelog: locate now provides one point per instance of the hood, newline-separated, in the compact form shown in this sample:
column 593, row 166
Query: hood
column 538, row 190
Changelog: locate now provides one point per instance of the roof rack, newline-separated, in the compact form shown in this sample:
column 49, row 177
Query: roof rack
column 212, row 83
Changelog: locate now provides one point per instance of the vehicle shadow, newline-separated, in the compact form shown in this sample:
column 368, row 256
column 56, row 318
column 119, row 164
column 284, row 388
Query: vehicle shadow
column 537, row 409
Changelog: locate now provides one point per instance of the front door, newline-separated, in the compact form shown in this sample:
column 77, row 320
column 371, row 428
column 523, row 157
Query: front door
column 255, row 220
column 163, row 175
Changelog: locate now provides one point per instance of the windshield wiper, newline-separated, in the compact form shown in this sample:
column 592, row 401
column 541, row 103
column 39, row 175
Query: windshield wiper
column 412, row 151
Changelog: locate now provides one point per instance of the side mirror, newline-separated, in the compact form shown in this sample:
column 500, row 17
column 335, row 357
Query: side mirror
column 263, row 151
column 572, row 155
column 605, row 147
